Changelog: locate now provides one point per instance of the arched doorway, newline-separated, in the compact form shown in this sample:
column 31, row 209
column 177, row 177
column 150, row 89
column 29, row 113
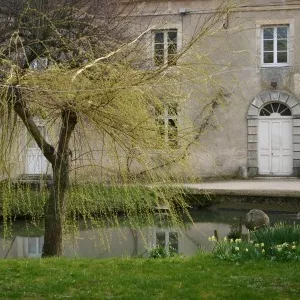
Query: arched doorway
column 275, row 145
column 274, row 134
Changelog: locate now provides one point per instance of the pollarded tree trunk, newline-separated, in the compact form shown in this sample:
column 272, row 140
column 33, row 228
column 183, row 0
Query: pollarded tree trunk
column 60, row 161
column 56, row 205
column 55, row 208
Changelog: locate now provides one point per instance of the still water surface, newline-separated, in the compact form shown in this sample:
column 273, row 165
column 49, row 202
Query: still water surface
column 128, row 242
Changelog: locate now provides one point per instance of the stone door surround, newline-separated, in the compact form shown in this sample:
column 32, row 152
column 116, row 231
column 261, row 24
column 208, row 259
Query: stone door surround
column 252, row 126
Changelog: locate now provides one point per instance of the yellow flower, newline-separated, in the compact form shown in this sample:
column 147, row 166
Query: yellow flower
column 294, row 247
column 262, row 244
column 212, row 238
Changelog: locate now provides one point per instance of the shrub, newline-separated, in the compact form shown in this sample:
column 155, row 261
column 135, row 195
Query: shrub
column 280, row 242
column 278, row 234
column 161, row 252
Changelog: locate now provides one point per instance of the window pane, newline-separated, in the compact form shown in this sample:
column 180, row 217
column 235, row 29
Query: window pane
column 268, row 45
column 160, row 239
column 286, row 112
column 282, row 57
column 173, row 241
column 159, row 37
column 161, row 127
column 32, row 245
column 159, row 54
column 282, row 45
column 172, row 36
column 172, row 49
column 282, row 32
column 172, row 133
column 41, row 244
column 268, row 33
column 268, row 57
column 263, row 112
column 275, row 107
column 172, row 109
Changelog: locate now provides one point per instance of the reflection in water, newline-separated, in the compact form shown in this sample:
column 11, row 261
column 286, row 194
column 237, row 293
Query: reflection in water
column 119, row 242
column 128, row 242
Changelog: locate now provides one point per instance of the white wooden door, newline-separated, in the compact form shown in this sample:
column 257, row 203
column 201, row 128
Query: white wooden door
column 275, row 146
column 36, row 163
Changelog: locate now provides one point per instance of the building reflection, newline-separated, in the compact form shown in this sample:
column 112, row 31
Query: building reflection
column 120, row 242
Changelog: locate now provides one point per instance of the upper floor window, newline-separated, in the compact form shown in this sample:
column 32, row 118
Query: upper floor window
column 165, row 47
column 275, row 45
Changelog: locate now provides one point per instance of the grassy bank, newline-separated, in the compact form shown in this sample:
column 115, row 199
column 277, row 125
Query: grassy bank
column 200, row 277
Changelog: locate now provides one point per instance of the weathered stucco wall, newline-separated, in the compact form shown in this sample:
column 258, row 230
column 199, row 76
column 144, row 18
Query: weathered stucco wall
column 230, row 55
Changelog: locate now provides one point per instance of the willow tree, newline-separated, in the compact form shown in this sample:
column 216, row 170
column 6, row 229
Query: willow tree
column 68, row 63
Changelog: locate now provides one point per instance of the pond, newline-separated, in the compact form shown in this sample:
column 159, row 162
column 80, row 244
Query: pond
column 129, row 242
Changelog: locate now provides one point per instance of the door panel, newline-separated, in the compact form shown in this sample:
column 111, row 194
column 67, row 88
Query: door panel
column 275, row 147
column 264, row 149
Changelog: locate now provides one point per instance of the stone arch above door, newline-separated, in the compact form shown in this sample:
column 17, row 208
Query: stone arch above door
column 252, row 126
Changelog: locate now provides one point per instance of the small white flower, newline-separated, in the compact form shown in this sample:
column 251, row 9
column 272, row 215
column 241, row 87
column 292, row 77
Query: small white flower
column 246, row 250
column 237, row 249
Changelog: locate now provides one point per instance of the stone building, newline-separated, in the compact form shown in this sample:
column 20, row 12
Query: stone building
column 247, row 58
column 253, row 55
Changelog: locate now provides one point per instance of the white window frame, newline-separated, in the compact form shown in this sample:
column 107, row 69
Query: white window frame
column 165, row 31
column 259, row 36
column 38, row 245
column 166, row 232
column 275, row 51
column 165, row 117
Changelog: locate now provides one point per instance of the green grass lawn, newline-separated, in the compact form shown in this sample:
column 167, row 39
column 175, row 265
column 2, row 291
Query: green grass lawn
column 199, row 277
